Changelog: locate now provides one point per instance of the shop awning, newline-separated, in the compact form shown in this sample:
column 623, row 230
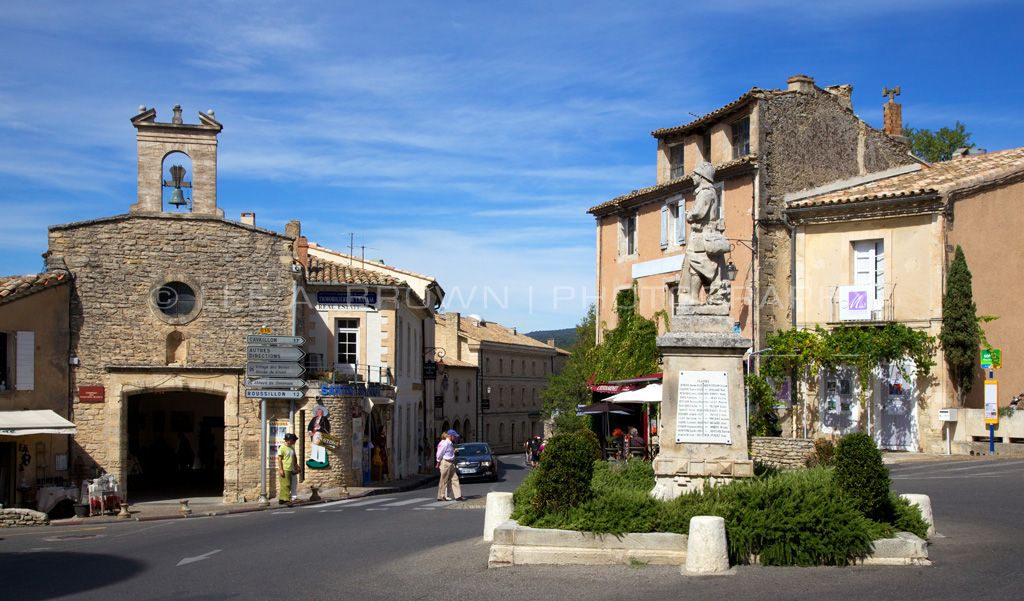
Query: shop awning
column 34, row 421
column 649, row 394
column 617, row 386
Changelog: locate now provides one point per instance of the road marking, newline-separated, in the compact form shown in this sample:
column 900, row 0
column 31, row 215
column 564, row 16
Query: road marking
column 423, row 508
column 144, row 529
column 360, row 503
column 960, row 477
column 376, row 509
column 197, row 558
column 51, row 532
column 407, row 502
column 35, row 550
column 331, row 510
column 283, row 512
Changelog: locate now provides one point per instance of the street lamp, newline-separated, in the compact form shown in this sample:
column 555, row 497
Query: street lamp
column 730, row 271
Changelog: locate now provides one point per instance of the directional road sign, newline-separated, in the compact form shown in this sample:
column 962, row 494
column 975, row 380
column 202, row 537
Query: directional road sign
column 288, row 340
column 275, row 383
column 274, row 394
column 273, row 370
column 274, row 353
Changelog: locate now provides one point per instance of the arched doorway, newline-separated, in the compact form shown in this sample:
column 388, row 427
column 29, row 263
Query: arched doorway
column 175, row 444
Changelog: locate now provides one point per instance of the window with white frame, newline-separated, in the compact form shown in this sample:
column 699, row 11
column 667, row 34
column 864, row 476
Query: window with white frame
column 627, row 234
column 673, row 223
column 671, row 298
column 17, row 360
column 348, row 342
column 869, row 270
column 675, row 161
column 741, row 138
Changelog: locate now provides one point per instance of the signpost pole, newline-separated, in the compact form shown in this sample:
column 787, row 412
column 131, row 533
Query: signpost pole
column 263, row 454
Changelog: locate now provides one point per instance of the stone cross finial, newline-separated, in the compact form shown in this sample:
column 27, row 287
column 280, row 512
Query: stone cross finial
column 177, row 115
column 892, row 93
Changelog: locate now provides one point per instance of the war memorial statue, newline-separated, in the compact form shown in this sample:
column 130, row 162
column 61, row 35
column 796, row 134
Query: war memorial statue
column 704, row 425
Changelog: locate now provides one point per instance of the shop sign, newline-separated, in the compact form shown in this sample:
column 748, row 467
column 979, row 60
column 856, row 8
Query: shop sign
column 429, row 370
column 345, row 299
column 90, row 394
column 328, row 441
column 438, row 401
column 349, row 390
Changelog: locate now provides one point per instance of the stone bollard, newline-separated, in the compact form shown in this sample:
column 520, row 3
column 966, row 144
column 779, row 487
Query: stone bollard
column 315, row 495
column 924, row 503
column 706, row 549
column 499, row 508
column 184, row 509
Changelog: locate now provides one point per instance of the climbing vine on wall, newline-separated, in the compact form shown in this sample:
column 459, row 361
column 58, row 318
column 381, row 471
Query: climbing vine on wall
column 799, row 352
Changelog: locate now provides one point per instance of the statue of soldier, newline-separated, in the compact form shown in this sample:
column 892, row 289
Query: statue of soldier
column 704, row 263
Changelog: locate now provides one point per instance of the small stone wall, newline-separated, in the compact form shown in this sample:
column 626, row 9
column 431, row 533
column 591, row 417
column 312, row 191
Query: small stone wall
column 780, row 452
column 10, row 518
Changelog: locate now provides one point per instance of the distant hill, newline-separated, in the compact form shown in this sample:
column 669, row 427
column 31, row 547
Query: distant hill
column 564, row 339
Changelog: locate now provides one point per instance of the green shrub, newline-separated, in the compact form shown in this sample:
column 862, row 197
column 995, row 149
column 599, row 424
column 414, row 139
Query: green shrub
column 566, row 468
column 632, row 474
column 824, row 453
column 594, row 440
column 861, row 476
column 566, row 422
column 794, row 518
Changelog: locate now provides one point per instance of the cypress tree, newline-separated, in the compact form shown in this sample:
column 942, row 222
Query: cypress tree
column 961, row 334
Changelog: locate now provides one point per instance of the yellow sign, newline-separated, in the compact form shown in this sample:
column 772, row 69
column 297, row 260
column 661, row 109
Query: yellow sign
column 991, row 401
column 327, row 441
column 265, row 331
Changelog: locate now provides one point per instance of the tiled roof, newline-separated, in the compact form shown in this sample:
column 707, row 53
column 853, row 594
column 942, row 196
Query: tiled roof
column 328, row 272
column 684, row 183
column 710, row 117
column 17, row 286
column 938, row 178
column 452, row 362
column 344, row 257
column 489, row 331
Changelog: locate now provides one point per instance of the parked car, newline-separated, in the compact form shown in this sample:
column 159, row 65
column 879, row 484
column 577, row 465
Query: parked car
column 474, row 460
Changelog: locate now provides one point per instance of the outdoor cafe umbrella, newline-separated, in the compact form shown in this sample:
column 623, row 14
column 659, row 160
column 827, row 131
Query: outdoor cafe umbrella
column 603, row 408
column 647, row 394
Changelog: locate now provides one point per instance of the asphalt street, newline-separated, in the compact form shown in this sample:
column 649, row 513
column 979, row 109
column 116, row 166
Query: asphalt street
column 409, row 546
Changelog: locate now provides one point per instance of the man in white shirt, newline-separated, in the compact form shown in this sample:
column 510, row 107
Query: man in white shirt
column 446, row 461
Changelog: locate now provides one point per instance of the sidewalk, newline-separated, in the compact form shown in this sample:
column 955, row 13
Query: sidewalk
column 210, row 506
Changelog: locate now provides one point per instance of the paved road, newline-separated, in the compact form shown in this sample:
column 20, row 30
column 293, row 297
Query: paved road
column 409, row 546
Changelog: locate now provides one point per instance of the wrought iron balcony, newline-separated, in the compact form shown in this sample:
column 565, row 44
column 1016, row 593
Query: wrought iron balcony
column 861, row 303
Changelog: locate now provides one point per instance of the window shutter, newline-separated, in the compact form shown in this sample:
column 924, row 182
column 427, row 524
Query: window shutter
column 680, row 223
column 664, row 227
column 25, row 368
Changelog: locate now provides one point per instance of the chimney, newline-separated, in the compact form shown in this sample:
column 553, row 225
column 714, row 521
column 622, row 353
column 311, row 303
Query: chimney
column 801, row 83
column 551, row 342
column 892, row 113
column 293, row 228
column 249, row 219
column 843, row 95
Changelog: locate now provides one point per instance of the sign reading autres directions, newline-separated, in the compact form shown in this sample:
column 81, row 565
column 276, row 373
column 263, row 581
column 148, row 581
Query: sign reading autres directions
column 273, row 353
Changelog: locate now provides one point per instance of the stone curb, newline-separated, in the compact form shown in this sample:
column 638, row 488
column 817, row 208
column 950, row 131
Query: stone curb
column 203, row 514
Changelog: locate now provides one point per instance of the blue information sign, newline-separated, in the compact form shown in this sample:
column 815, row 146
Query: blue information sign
column 346, row 297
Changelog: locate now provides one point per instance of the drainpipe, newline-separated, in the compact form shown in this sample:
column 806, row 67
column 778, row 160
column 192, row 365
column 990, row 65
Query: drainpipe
column 792, row 304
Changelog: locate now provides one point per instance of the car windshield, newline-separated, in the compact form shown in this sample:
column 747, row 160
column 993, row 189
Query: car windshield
column 472, row 450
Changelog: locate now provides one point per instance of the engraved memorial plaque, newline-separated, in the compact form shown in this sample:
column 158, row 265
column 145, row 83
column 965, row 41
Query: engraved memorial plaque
column 702, row 411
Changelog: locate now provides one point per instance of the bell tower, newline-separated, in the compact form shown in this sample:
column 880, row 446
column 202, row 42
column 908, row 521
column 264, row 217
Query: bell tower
column 158, row 140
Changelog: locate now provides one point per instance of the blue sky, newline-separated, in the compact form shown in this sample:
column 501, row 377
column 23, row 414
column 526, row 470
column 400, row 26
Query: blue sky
column 463, row 140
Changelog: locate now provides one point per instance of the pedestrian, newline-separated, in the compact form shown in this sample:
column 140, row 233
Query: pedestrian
column 534, row 448
column 446, row 462
column 286, row 466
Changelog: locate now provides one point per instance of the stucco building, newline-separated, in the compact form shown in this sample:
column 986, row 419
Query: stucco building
column 890, row 238
column 765, row 144
column 35, row 431
column 503, row 404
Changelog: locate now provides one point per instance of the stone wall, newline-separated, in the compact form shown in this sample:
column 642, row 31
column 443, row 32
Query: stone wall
column 781, row 452
column 11, row 518
column 806, row 140
column 243, row 281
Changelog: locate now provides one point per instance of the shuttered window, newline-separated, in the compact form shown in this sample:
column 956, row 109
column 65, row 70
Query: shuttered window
column 25, row 368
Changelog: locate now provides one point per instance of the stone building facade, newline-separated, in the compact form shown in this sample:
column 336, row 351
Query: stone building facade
column 765, row 144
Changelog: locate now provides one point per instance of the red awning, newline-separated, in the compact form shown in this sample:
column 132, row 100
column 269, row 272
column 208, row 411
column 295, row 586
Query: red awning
column 617, row 386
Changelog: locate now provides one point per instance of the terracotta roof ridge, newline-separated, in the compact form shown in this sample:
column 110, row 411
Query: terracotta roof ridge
column 363, row 261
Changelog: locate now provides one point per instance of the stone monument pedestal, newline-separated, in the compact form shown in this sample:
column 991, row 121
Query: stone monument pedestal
column 703, row 415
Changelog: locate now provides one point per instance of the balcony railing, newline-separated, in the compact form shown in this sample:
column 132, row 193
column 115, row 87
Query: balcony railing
column 867, row 303
column 347, row 373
